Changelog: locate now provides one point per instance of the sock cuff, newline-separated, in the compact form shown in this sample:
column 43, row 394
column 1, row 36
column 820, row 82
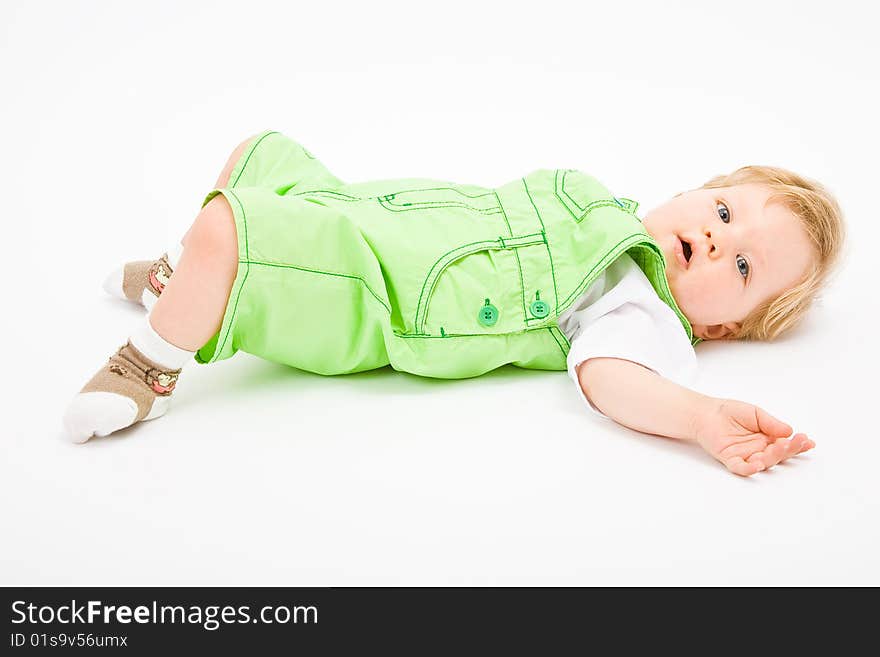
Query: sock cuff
column 156, row 348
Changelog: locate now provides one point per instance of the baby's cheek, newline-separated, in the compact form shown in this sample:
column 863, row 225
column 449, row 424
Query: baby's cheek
column 698, row 301
column 721, row 305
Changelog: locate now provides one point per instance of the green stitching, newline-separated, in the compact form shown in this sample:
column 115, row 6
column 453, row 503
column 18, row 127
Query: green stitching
column 331, row 192
column 484, row 245
column 465, row 335
column 631, row 205
column 559, row 189
column 437, row 189
column 219, row 350
column 615, row 251
column 562, row 188
column 503, row 214
column 385, row 200
column 546, row 242
column 247, row 159
column 561, row 348
column 556, row 187
column 562, row 335
column 661, row 277
column 600, row 203
column 522, row 285
column 327, row 273
column 436, row 263
column 431, row 205
column 522, row 240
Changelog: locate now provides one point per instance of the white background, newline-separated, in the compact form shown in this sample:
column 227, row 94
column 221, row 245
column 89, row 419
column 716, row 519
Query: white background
column 116, row 120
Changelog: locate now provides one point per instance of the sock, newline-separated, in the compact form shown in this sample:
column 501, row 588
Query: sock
column 142, row 281
column 134, row 385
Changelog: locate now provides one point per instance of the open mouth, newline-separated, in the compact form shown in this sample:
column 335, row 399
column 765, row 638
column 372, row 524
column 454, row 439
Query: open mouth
column 683, row 253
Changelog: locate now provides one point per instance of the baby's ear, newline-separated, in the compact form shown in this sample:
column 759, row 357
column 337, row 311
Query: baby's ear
column 726, row 331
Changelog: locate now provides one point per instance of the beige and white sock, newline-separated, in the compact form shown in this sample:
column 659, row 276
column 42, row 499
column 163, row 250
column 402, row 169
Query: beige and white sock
column 142, row 281
column 134, row 385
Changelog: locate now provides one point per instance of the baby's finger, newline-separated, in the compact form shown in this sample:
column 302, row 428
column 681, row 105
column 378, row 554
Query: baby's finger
column 744, row 449
column 798, row 443
column 807, row 444
column 783, row 449
column 770, row 425
column 758, row 460
column 775, row 452
column 737, row 466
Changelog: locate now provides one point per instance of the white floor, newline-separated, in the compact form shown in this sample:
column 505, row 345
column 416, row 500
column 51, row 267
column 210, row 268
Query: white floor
column 115, row 125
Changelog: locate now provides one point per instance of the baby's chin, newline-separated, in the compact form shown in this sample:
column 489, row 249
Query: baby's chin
column 678, row 294
column 672, row 277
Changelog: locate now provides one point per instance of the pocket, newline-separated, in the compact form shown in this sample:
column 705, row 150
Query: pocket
column 476, row 289
column 430, row 198
column 581, row 194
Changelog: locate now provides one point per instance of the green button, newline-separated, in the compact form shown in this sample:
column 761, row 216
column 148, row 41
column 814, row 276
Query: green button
column 488, row 315
column 540, row 308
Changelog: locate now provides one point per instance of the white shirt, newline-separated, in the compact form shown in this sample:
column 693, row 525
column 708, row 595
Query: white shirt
column 621, row 316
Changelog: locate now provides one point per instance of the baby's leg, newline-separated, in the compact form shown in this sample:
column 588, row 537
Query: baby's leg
column 191, row 307
column 142, row 281
column 137, row 381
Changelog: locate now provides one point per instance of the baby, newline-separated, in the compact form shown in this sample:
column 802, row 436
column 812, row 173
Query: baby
column 551, row 271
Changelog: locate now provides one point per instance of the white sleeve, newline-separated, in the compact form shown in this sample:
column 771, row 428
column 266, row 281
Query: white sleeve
column 638, row 331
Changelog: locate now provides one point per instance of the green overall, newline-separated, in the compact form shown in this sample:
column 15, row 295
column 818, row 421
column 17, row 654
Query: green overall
column 434, row 278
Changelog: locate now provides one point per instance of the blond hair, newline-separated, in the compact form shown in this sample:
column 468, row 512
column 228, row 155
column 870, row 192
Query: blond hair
column 822, row 219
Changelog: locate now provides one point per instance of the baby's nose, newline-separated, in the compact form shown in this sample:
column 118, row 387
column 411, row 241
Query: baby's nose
column 711, row 244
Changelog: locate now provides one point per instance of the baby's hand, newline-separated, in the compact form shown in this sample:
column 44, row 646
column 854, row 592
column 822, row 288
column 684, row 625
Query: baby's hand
column 747, row 439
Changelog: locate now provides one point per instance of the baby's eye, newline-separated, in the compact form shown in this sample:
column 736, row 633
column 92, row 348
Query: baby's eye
column 743, row 265
column 723, row 212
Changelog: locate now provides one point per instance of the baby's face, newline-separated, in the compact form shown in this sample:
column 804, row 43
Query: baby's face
column 743, row 251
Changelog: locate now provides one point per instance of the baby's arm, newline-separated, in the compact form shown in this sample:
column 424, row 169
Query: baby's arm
column 745, row 438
